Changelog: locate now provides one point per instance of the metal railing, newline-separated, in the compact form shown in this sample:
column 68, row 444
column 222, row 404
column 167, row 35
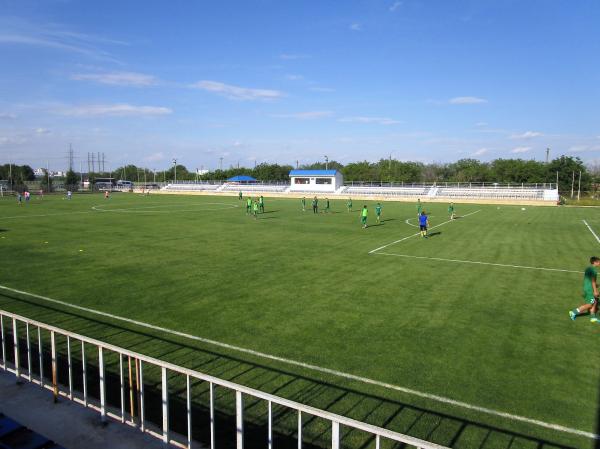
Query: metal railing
column 13, row 322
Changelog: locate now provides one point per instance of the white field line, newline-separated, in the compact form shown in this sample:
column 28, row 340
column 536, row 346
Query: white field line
column 418, row 233
column 46, row 215
column 407, row 221
column 480, row 263
column 365, row 380
column 591, row 230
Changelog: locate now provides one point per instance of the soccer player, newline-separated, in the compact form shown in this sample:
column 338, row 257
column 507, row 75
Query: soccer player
column 303, row 204
column 261, row 203
column 419, row 207
column 349, row 204
column 451, row 211
column 41, row 194
column 19, row 199
column 363, row 216
column 27, row 195
column 248, row 206
column 255, row 209
column 106, row 194
column 70, row 194
column 240, row 196
column 326, row 205
column 378, row 212
column 315, row 205
column 590, row 292
column 423, row 223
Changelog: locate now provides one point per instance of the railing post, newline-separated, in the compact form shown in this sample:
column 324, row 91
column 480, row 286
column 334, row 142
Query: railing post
column 3, row 342
column 70, row 368
column 335, row 435
column 102, row 386
column 212, row 414
column 131, row 401
column 299, row 429
column 188, row 406
column 239, row 419
column 54, row 368
column 16, row 348
column 141, row 387
column 270, row 426
column 41, row 357
column 84, row 373
column 122, row 387
column 377, row 441
column 165, row 406
column 28, row 351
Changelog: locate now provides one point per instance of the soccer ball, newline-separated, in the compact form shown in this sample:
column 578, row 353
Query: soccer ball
column 522, row 208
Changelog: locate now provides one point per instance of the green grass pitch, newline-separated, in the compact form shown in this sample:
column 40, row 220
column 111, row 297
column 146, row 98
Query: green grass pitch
column 416, row 314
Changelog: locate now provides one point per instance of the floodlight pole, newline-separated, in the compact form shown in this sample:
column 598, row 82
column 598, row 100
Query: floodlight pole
column 175, row 170
column 326, row 162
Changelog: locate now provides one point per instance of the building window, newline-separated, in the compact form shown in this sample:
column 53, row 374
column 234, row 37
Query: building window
column 301, row 181
column 323, row 180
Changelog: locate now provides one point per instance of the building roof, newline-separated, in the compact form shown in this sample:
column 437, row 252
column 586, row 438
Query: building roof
column 313, row 172
column 242, row 178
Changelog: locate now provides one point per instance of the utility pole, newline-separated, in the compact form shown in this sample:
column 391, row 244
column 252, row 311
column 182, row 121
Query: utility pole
column 70, row 157
column 196, row 175
column 175, row 170
column 48, row 174
column 81, row 172
column 326, row 162
column 547, row 155
column 572, row 184
column 579, row 187
column 93, row 166
column 221, row 163
column 297, row 164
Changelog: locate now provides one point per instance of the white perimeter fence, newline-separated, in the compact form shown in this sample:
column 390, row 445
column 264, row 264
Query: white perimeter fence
column 17, row 332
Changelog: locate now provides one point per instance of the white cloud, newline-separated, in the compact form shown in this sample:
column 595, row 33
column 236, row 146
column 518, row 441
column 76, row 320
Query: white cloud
column 395, row 6
column 377, row 120
column 122, row 109
column 518, row 150
column 118, row 78
column 480, row 152
column 583, row 148
column 42, row 131
column 7, row 116
column 526, row 135
column 467, row 100
column 237, row 92
column 155, row 157
column 356, row 26
column 293, row 77
column 309, row 115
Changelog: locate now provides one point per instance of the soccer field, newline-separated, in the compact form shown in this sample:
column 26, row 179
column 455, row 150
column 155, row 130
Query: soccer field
column 462, row 338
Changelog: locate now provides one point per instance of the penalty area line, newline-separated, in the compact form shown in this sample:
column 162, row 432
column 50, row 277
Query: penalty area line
column 320, row 369
column 418, row 233
column 591, row 230
column 525, row 267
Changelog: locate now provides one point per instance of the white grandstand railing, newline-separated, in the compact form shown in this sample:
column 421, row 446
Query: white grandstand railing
column 104, row 349
column 462, row 185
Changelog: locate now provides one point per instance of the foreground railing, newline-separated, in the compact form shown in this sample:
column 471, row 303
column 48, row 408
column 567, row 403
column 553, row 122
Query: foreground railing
column 15, row 324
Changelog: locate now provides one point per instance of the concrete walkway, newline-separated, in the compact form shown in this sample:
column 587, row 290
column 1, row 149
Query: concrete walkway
column 66, row 423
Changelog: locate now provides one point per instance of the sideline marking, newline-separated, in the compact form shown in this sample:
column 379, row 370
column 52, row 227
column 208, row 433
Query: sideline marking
column 320, row 369
column 46, row 215
column 418, row 233
column 591, row 230
column 152, row 209
column 480, row 263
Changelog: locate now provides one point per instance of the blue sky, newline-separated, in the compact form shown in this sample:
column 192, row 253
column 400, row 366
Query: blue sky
column 281, row 81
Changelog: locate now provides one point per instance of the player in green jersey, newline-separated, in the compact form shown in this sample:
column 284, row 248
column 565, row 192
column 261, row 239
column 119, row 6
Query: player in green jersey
column 303, row 204
column 326, row 205
column 315, row 205
column 378, row 212
column 451, row 211
column 261, row 204
column 349, row 204
column 419, row 207
column 240, row 196
column 248, row 206
column 590, row 292
column 363, row 216
column 255, row 209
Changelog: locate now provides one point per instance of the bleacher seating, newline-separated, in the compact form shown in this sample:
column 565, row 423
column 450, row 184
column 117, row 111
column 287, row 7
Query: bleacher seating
column 191, row 187
column 255, row 187
column 387, row 191
column 490, row 193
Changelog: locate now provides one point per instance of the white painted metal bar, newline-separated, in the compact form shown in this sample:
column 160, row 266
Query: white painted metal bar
column 165, row 406
column 239, row 419
column 188, row 407
column 54, row 365
column 16, row 350
column 299, row 429
column 142, row 412
column 240, row 390
column 28, row 351
column 122, row 387
column 211, row 389
column 102, row 385
column 377, row 442
column 270, row 425
column 41, row 356
column 3, row 342
column 84, row 373
column 335, row 435
column 70, row 367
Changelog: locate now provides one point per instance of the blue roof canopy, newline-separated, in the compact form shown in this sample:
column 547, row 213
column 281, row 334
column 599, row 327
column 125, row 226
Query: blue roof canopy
column 242, row 178
column 313, row 172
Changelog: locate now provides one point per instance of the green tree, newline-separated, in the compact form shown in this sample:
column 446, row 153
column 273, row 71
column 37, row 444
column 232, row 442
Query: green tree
column 72, row 181
column 566, row 167
column 46, row 182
